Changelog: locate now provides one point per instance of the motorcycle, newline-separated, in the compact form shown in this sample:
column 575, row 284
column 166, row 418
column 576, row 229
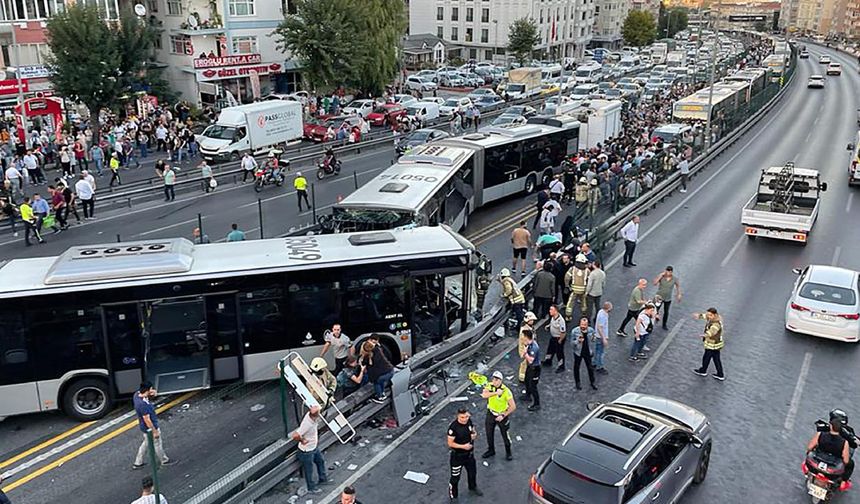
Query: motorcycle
column 263, row 176
column 324, row 168
column 823, row 471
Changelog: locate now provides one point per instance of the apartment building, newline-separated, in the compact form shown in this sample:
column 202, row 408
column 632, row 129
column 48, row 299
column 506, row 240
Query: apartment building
column 609, row 16
column 478, row 29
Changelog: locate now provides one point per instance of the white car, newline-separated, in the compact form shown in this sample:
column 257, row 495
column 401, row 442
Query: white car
column 360, row 107
column 404, row 99
column 480, row 93
column 815, row 81
column 423, row 84
column 452, row 105
column 824, row 59
column 834, row 69
column 825, row 302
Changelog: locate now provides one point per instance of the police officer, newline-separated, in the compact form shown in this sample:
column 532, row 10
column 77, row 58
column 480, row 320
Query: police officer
column 522, row 344
column 511, row 291
column 300, row 184
column 500, row 406
column 461, row 441
column 533, row 365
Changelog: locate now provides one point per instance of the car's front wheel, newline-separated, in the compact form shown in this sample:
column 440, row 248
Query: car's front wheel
column 702, row 467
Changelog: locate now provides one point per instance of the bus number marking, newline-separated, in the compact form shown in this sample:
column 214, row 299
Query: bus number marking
column 407, row 176
column 305, row 248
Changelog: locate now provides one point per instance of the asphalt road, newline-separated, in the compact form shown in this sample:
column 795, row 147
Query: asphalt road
column 760, row 419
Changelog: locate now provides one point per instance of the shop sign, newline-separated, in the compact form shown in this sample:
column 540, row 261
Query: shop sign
column 228, row 61
column 34, row 71
column 237, row 72
column 10, row 86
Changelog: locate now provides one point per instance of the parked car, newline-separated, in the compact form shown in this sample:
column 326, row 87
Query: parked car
column 451, row 79
column 637, row 449
column 520, row 110
column 472, row 79
column 360, row 107
column 315, row 129
column 486, row 74
column 453, row 105
column 418, row 137
column 404, row 99
column 430, row 74
column 489, row 102
column 480, row 93
column 508, row 120
column 423, row 84
column 386, row 113
column 825, row 302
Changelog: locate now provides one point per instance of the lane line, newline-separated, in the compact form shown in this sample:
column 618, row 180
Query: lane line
column 816, row 122
column 409, row 432
column 290, row 193
column 848, row 204
column 798, row 391
column 652, row 361
column 806, row 140
column 836, row 254
column 732, row 251
column 164, row 228
column 693, row 194
column 45, row 444
column 86, row 448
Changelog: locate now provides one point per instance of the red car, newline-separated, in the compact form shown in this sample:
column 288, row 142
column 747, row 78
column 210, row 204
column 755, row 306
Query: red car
column 315, row 128
column 385, row 114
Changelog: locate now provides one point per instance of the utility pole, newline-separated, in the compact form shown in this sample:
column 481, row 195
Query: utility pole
column 712, row 76
column 20, row 84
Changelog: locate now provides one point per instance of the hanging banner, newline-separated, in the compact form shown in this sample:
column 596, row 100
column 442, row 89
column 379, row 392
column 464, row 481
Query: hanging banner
column 226, row 61
column 214, row 74
column 254, row 77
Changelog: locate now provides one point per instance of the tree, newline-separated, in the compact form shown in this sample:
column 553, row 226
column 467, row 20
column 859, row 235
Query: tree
column 672, row 21
column 352, row 42
column 97, row 63
column 639, row 28
column 522, row 39
column 760, row 26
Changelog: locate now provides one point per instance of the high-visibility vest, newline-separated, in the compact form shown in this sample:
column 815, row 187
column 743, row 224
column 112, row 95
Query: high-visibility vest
column 512, row 292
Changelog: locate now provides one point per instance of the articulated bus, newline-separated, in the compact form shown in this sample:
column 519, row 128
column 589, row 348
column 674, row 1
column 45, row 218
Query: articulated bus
column 756, row 78
column 86, row 327
column 695, row 107
column 444, row 181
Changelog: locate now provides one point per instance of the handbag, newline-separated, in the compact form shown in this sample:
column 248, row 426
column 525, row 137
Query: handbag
column 213, row 183
column 49, row 221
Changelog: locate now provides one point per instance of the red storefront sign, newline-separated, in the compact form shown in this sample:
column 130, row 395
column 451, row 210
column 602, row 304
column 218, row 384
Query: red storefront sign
column 225, row 61
column 10, row 86
column 212, row 74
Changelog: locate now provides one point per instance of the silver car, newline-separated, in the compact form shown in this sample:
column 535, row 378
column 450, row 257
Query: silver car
column 638, row 449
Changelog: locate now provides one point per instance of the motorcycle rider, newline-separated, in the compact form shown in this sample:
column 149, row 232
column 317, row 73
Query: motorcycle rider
column 273, row 165
column 330, row 161
column 835, row 441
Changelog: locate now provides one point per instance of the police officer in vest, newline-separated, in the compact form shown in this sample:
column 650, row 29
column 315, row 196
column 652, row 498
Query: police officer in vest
column 511, row 291
column 500, row 406
column 461, row 441
column 713, row 340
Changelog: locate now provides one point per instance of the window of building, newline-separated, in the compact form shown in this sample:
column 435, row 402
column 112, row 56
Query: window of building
column 473, row 53
column 470, row 14
column 468, row 35
column 454, row 33
column 541, row 16
column 488, row 54
column 241, row 7
column 455, row 13
column 245, row 45
column 151, row 6
column 440, row 13
column 177, row 44
column 440, row 32
column 485, row 35
column 485, row 15
column 174, row 8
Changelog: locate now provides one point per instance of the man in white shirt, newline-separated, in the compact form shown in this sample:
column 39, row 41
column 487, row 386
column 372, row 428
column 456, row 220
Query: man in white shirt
column 630, row 234
column 249, row 165
column 13, row 175
column 684, row 168
column 86, row 193
column 309, row 454
column 161, row 137
column 340, row 344
column 31, row 163
column 146, row 494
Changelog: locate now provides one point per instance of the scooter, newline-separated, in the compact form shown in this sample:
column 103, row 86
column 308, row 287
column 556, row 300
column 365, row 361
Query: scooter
column 324, row 168
column 823, row 471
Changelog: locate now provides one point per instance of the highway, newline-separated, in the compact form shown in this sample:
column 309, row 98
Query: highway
column 777, row 385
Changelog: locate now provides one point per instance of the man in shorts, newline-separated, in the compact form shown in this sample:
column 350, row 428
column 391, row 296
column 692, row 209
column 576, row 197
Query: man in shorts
column 521, row 240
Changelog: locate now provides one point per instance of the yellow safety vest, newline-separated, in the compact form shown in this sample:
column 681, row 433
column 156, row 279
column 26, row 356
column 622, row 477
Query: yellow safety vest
column 498, row 404
column 301, row 184
column 714, row 335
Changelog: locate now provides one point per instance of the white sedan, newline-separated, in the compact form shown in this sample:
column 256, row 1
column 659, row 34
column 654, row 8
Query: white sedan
column 834, row 69
column 815, row 81
column 825, row 302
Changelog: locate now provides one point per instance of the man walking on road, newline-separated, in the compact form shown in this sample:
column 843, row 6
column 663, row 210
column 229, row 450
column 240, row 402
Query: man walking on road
column 461, row 441
column 634, row 304
column 582, row 337
column 30, row 222
column 249, row 164
column 147, row 493
column 301, row 186
column 544, row 289
column 522, row 343
column 557, row 336
column 602, row 340
column 169, row 177
column 713, row 340
column 511, row 291
column 630, row 234
column 235, row 235
column 542, row 198
column 521, row 241
column 642, row 329
column 666, row 283
column 594, row 288
column 533, row 365
column 114, row 170
column 500, row 406
column 684, row 168
column 148, row 422
column 309, row 454
column 86, row 193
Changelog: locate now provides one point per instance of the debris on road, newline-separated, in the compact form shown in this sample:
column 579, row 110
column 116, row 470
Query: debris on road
column 417, row 477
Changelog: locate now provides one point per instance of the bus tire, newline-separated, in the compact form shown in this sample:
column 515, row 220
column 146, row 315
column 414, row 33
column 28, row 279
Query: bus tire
column 531, row 184
column 86, row 399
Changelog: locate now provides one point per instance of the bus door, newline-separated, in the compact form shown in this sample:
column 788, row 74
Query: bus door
column 176, row 343
column 222, row 323
column 125, row 343
column 438, row 310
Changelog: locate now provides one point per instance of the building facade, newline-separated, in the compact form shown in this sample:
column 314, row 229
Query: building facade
column 609, row 16
column 821, row 17
column 650, row 6
column 480, row 27
column 847, row 21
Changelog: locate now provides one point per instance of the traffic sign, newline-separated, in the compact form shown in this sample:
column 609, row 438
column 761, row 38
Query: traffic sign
column 747, row 18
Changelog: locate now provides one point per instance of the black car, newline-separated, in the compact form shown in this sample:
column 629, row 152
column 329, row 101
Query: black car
column 419, row 137
column 489, row 102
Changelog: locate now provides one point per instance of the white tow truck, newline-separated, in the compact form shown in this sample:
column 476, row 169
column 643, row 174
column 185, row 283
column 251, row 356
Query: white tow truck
column 786, row 204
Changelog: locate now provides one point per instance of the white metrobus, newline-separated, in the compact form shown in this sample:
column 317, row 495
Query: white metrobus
column 86, row 327
column 444, row 181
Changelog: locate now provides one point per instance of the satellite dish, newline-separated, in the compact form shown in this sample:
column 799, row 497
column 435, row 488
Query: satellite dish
column 192, row 21
column 140, row 9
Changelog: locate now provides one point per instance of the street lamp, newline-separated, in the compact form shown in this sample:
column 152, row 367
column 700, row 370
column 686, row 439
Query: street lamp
column 713, row 70
column 496, row 43
column 17, row 71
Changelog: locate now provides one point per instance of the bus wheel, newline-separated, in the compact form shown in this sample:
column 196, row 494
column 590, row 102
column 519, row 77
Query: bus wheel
column 87, row 399
column 530, row 184
column 390, row 350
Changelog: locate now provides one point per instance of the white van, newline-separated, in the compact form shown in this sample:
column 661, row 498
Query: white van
column 424, row 111
column 586, row 74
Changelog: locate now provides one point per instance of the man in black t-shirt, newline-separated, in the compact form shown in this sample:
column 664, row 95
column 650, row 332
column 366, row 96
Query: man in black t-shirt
column 461, row 441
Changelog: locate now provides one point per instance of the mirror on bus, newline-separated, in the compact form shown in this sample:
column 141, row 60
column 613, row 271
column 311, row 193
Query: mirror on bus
column 850, row 147
column 823, row 186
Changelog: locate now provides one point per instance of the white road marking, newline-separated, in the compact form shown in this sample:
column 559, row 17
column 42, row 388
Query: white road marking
column 816, row 122
column 693, row 194
column 734, row 249
column 809, row 134
column 798, row 391
column 652, row 361
column 162, row 228
column 848, row 205
column 836, row 254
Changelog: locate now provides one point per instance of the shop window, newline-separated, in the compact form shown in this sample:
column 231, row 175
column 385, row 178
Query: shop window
column 245, row 45
column 241, row 7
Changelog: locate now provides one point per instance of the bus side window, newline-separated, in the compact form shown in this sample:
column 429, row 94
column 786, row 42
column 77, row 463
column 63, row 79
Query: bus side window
column 314, row 308
column 64, row 339
column 14, row 355
column 262, row 313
